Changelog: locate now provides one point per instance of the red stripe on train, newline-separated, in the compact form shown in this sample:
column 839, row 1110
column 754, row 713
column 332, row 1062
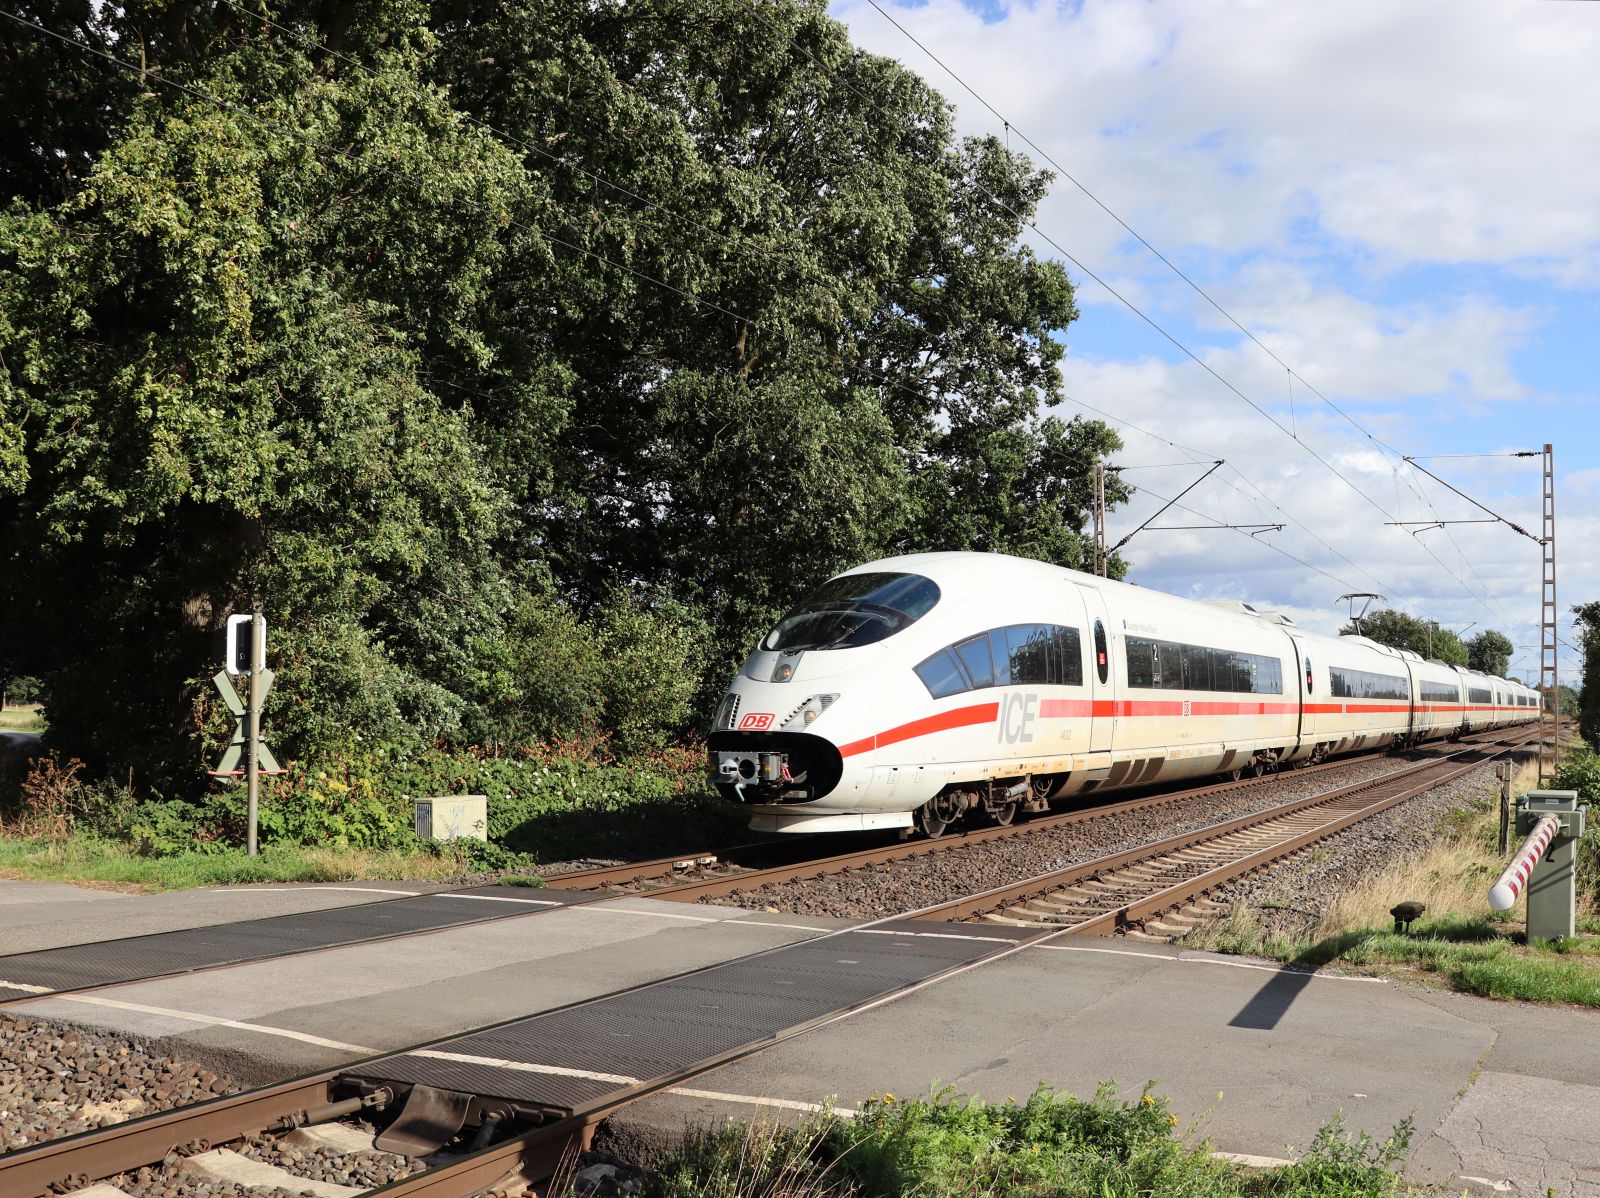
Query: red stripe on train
column 956, row 717
column 983, row 713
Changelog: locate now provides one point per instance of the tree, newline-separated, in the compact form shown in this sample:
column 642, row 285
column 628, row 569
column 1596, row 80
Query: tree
column 1588, row 707
column 1490, row 651
column 1401, row 631
column 720, row 306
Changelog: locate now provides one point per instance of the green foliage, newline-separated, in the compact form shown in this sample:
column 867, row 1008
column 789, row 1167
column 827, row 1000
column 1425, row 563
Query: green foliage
column 947, row 1145
column 1580, row 771
column 22, row 689
column 754, row 1160
column 1490, row 651
column 1588, row 708
column 1401, row 631
column 1338, row 1163
column 312, row 333
column 952, row 1146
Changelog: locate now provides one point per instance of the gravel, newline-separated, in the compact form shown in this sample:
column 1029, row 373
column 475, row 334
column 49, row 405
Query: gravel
column 1292, row 899
column 881, row 891
column 57, row 1081
column 368, row 1169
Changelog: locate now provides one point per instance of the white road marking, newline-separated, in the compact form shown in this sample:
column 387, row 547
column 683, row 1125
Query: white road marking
column 597, row 908
column 313, row 890
column 1252, row 1162
column 935, row 935
column 787, row 1104
column 525, row 1066
column 216, row 1021
column 24, row 987
column 495, row 898
column 1124, row 952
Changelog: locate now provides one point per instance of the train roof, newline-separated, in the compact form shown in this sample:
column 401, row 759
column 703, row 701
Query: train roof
column 963, row 572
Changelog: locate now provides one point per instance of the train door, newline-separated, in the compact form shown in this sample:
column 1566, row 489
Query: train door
column 1101, row 677
column 1305, row 687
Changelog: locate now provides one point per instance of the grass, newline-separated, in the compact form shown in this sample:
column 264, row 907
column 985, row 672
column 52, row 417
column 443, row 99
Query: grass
column 1459, row 942
column 26, row 717
column 951, row 1146
column 116, row 866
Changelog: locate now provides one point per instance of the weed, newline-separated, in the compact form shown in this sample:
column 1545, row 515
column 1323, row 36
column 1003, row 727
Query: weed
column 948, row 1145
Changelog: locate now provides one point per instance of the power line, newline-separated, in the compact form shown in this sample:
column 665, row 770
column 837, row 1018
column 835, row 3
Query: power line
column 1289, row 432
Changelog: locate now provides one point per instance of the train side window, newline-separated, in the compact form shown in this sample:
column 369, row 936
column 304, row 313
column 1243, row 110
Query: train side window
column 1102, row 659
column 941, row 675
column 1197, row 667
column 1308, row 675
column 1140, row 654
column 974, row 655
column 1001, row 652
column 1069, row 650
column 1027, row 651
column 1171, row 666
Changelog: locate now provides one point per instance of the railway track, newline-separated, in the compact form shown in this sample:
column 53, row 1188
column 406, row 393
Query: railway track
column 27, row 976
column 1161, row 888
column 529, row 1138
column 694, row 876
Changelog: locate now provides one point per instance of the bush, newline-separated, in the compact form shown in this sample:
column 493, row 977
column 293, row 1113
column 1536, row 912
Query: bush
column 1051, row 1146
column 21, row 690
column 1581, row 772
column 948, row 1146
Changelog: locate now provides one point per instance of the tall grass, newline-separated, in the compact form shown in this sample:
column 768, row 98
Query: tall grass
column 1459, row 940
column 1050, row 1145
column 115, row 866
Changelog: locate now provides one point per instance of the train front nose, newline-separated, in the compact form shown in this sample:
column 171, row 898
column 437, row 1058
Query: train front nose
column 773, row 767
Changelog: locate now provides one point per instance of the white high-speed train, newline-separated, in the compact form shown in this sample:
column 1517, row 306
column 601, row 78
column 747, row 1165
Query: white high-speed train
column 916, row 690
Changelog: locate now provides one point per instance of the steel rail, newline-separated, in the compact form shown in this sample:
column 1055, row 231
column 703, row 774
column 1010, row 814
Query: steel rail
column 745, row 877
column 1041, row 885
column 810, row 869
column 76, row 1160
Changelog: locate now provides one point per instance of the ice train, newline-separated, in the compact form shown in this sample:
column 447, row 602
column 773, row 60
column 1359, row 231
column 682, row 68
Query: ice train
column 919, row 690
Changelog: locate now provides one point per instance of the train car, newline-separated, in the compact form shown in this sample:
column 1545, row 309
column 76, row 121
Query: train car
column 1482, row 709
column 1440, row 696
column 920, row 690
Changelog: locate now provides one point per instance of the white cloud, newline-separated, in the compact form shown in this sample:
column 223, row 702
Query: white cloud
column 1427, row 131
column 1307, row 163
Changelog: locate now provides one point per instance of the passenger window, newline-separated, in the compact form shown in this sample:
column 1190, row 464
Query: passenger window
column 941, row 675
column 1171, row 666
column 1102, row 661
column 1197, row 667
column 1001, row 653
column 1140, row 654
column 1308, row 675
column 1028, row 656
column 974, row 655
column 1069, row 651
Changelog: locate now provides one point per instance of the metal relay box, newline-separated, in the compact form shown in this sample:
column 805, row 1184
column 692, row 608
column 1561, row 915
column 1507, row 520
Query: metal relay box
column 1552, row 887
column 453, row 817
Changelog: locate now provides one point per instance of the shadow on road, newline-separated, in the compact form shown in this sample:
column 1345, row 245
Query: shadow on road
column 1272, row 1002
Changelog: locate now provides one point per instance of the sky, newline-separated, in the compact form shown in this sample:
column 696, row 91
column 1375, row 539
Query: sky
column 1392, row 210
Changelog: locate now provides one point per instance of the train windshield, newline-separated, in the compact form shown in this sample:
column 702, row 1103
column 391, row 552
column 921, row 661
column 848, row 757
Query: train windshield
column 854, row 610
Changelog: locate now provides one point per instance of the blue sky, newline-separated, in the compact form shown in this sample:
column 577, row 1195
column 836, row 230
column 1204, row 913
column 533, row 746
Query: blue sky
column 1400, row 202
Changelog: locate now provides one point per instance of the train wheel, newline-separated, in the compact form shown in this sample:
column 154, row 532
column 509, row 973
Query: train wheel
column 938, row 813
column 1002, row 814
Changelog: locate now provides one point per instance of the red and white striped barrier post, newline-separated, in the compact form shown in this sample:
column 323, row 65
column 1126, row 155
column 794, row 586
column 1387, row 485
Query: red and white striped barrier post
column 1503, row 894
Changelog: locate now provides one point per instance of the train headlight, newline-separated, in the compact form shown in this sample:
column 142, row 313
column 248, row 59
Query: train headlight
column 783, row 669
column 804, row 715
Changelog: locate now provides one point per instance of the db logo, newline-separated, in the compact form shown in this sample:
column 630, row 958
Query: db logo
column 757, row 721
